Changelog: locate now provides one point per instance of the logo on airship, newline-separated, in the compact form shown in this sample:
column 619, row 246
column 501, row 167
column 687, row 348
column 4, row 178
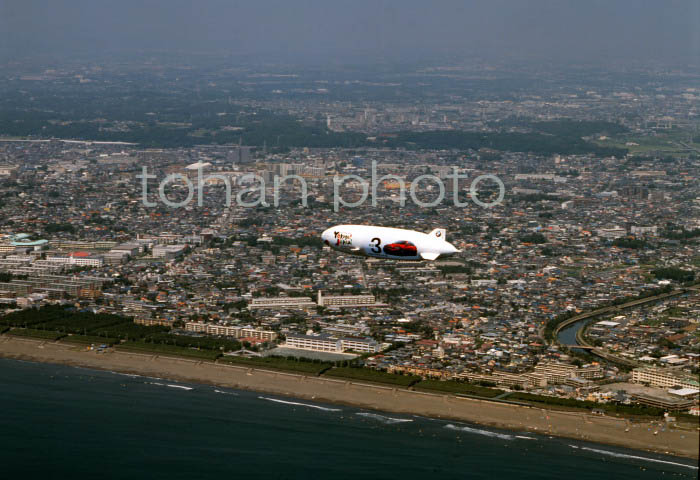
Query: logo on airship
column 342, row 238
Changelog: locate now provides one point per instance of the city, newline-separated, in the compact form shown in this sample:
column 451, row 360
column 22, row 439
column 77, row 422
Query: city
column 573, row 233
column 161, row 213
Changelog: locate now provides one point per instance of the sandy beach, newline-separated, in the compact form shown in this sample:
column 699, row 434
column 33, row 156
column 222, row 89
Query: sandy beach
column 582, row 426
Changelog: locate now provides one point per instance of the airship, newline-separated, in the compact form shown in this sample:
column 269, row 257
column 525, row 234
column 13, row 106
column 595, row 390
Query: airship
column 388, row 243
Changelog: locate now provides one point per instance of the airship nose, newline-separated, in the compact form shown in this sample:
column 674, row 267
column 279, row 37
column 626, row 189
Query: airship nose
column 326, row 236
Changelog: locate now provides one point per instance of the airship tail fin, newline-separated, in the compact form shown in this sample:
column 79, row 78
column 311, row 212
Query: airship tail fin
column 429, row 255
column 440, row 233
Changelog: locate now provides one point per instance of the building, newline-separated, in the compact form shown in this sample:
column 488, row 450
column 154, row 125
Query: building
column 7, row 248
column 659, row 377
column 150, row 322
column 231, row 331
column 54, row 286
column 590, row 372
column 8, row 171
column 484, row 282
column 687, row 393
column 129, row 249
column 611, row 233
column 423, row 372
column 78, row 259
column 540, row 176
column 345, row 300
column 240, row 154
column 82, row 245
column 281, row 302
column 644, row 230
column 115, row 257
column 676, row 405
column 264, row 335
column 648, row 173
column 341, row 329
column 318, row 343
column 168, row 251
column 526, row 381
column 555, row 373
column 365, row 345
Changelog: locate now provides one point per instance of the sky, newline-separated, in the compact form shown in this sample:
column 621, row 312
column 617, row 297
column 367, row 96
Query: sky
column 556, row 30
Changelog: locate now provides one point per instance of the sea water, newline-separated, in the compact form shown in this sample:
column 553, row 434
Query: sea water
column 66, row 422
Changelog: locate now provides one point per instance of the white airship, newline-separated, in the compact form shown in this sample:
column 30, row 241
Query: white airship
column 390, row 243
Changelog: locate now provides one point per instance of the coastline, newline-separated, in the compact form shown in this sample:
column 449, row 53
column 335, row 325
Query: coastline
column 575, row 425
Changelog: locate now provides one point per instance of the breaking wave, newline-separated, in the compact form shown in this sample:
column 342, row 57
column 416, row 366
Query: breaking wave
column 502, row 436
column 634, row 457
column 132, row 375
column 383, row 419
column 318, row 407
column 181, row 387
column 225, row 393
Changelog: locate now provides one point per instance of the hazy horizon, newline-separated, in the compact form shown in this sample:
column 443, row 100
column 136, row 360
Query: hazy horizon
column 543, row 30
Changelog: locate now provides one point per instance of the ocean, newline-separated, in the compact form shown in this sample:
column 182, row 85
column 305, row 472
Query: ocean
column 66, row 422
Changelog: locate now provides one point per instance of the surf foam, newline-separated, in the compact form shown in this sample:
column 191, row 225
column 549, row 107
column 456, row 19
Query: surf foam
column 225, row 393
column 502, row 436
column 318, row 407
column 181, row 387
column 383, row 419
column 634, row 457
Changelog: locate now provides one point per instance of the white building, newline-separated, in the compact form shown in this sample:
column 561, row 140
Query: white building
column 230, row 331
column 318, row 343
column 80, row 261
column 345, row 300
column 611, row 233
column 365, row 345
column 484, row 282
column 644, row 230
column 281, row 302
column 659, row 377
column 326, row 343
column 168, row 251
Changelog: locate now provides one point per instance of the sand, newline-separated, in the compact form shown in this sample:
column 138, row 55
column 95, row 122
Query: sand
column 577, row 425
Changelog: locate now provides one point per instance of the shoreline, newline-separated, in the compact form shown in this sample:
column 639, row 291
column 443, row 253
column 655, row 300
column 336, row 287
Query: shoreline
column 606, row 430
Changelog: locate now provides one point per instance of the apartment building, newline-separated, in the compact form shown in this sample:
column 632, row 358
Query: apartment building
column 659, row 377
column 282, row 302
column 230, row 331
column 345, row 300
